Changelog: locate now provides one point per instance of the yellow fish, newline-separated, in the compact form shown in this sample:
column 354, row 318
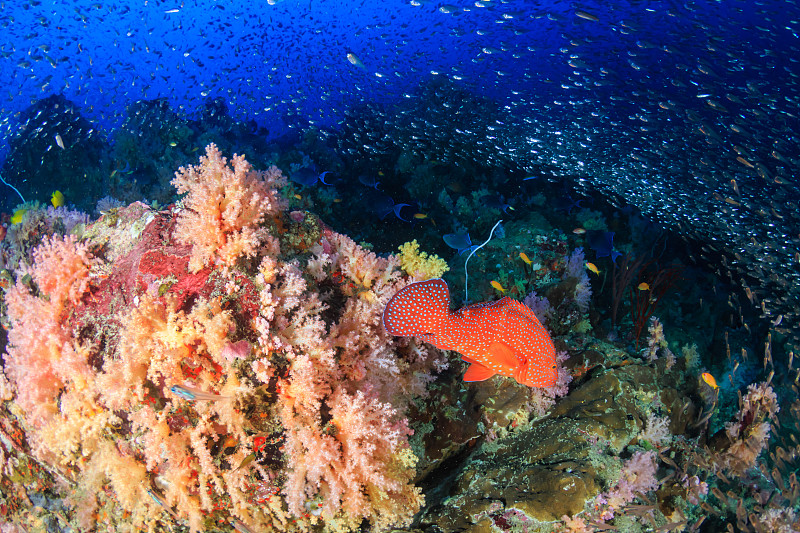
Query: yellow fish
column 497, row 286
column 709, row 379
column 57, row 199
column 592, row 268
column 524, row 257
column 420, row 216
column 16, row 218
column 643, row 286
column 246, row 461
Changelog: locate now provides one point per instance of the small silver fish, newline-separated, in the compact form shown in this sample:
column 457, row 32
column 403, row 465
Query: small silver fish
column 160, row 502
column 238, row 525
column 192, row 394
column 587, row 16
column 354, row 60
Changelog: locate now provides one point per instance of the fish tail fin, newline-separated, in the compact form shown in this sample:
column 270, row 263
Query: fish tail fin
column 419, row 308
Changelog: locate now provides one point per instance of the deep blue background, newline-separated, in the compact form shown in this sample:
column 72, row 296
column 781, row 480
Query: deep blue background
column 687, row 110
column 286, row 64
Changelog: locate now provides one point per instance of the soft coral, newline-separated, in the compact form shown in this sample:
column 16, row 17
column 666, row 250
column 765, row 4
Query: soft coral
column 40, row 356
column 225, row 206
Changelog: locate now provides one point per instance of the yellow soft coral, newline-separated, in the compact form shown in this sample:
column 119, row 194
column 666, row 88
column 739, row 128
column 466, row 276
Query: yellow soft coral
column 420, row 265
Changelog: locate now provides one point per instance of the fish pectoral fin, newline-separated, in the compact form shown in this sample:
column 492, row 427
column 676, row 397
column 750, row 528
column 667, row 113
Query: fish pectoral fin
column 503, row 354
column 468, row 359
column 478, row 372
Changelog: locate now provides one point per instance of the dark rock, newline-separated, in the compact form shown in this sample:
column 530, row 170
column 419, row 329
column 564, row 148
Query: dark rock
column 543, row 471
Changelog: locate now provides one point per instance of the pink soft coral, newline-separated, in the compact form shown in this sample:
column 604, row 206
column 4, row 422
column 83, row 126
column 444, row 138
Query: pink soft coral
column 360, row 463
column 342, row 403
column 638, row 476
column 748, row 434
column 224, row 208
column 61, row 269
column 293, row 350
column 40, row 356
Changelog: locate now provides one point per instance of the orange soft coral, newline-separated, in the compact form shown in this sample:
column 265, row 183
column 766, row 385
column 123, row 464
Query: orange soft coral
column 342, row 403
column 61, row 269
column 224, row 208
column 38, row 339
column 304, row 426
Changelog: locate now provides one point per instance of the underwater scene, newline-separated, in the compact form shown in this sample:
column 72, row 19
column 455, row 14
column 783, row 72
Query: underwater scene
column 399, row 266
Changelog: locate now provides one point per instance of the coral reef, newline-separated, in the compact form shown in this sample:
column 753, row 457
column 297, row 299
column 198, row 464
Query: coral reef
column 221, row 364
column 224, row 207
column 190, row 366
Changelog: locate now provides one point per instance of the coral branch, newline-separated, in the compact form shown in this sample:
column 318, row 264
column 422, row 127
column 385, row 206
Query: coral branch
column 225, row 205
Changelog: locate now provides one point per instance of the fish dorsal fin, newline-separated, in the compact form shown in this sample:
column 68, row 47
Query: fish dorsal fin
column 478, row 372
column 518, row 307
column 419, row 308
column 503, row 354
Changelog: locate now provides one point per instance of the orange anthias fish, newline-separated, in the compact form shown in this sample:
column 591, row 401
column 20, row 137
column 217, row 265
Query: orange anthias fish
column 502, row 337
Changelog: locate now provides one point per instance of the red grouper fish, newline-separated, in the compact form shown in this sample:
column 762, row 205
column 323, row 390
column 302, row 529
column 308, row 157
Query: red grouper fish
column 502, row 337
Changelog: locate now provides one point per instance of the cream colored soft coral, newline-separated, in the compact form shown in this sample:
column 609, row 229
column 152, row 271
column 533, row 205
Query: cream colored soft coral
column 226, row 203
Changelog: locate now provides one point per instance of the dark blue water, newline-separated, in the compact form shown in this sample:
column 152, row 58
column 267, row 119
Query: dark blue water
column 687, row 111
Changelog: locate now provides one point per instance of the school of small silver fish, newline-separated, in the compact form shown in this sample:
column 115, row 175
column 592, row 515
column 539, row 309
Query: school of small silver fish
column 686, row 110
